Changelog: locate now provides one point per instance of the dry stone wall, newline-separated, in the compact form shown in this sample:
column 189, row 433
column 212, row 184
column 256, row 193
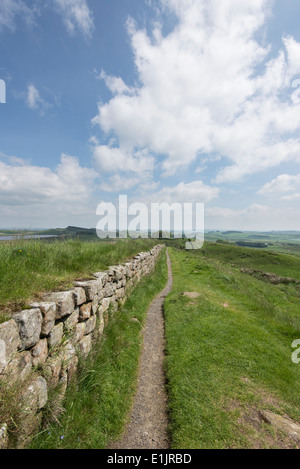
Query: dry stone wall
column 40, row 347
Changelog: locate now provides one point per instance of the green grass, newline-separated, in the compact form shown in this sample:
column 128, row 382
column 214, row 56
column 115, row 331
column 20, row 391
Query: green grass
column 225, row 363
column 284, row 265
column 97, row 409
column 29, row 267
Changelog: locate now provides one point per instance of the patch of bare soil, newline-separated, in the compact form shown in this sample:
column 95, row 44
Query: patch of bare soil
column 261, row 428
column 148, row 424
column 191, row 295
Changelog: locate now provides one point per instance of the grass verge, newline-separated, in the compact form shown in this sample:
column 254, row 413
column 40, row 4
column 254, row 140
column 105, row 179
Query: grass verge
column 29, row 267
column 96, row 408
column 229, row 351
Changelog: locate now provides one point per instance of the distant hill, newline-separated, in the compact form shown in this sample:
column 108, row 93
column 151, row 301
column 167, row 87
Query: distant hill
column 71, row 231
column 232, row 232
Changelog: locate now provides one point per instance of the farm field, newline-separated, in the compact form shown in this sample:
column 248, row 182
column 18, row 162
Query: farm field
column 229, row 347
column 286, row 242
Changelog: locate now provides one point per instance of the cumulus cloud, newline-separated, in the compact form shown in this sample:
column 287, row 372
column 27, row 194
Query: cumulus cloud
column 22, row 184
column 285, row 186
column 76, row 14
column 200, row 93
column 113, row 159
column 194, row 192
column 115, row 84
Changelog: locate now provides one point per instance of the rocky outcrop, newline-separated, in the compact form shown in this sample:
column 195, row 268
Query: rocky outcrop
column 41, row 346
column 270, row 277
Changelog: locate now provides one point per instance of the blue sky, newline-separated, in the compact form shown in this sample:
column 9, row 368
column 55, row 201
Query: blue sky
column 148, row 98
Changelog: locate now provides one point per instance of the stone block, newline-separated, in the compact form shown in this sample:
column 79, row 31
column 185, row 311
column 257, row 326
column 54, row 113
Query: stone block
column 48, row 311
column 30, row 326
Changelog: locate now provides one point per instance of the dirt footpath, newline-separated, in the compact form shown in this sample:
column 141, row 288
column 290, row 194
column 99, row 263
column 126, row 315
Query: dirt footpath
column 147, row 428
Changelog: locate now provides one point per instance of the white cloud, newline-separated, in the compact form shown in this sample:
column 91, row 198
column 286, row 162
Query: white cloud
column 10, row 10
column 283, row 184
column 256, row 217
column 34, row 101
column 33, row 97
column 112, row 160
column 194, row 192
column 76, row 15
column 293, row 53
column 118, row 183
column 115, row 84
column 200, row 93
column 27, row 185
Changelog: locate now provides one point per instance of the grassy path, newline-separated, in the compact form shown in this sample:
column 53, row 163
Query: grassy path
column 148, row 425
column 229, row 348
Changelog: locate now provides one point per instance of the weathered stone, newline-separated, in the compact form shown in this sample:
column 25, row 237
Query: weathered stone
column 91, row 288
column 108, row 290
column 85, row 311
column 118, row 285
column 9, row 334
column 123, row 282
column 3, row 436
column 90, row 325
column 79, row 332
column 48, row 311
column 120, row 293
column 100, row 294
column 19, row 368
column 72, row 368
column 84, row 346
column 289, row 427
column 41, row 388
column 27, row 428
column 66, row 354
column 40, row 353
column 30, row 326
column 113, row 305
column 100, row 328
column 104, row 305
column 71, row 321
column 103, row 276
column 95, row 304
column 129, row 269
column 116, row 273
column 56, row 335
column 69, row 360
column 79, row 296
column 52, row 370
column 65, row 303
column 35, row 395
column 34, row 398
column 3, row 361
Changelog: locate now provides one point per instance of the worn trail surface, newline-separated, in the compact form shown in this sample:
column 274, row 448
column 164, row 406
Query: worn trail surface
column 148, row 425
